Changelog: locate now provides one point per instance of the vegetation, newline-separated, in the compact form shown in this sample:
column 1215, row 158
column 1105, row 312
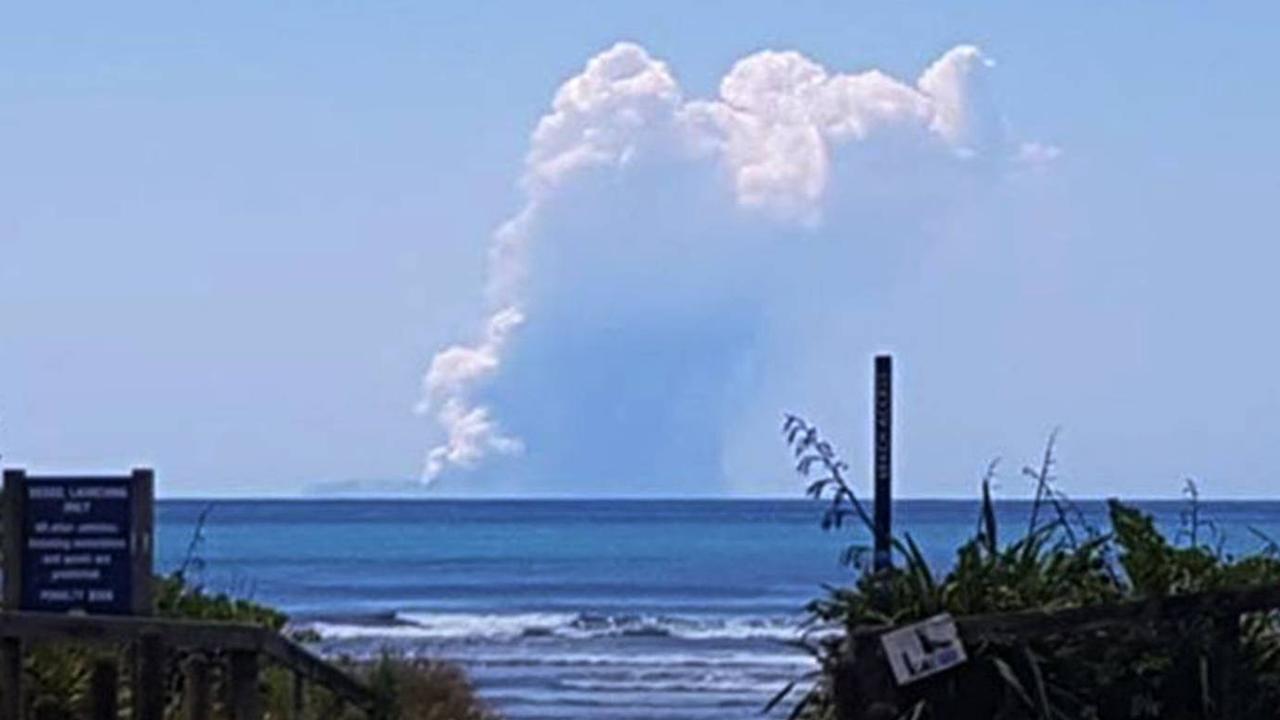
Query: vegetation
column 424, row 690
column 1057, row 561
column 58, row 676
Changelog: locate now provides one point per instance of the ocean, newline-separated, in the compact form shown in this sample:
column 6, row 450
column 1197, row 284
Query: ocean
column 579, row 609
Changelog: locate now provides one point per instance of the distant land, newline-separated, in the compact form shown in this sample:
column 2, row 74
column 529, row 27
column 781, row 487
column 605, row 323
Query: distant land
column 348, row 488
column 355, row 489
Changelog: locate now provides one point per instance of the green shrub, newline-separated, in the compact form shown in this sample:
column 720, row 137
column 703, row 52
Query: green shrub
column 423, row 690
column 1059, row 561
column 176, row 598
column 57, row 676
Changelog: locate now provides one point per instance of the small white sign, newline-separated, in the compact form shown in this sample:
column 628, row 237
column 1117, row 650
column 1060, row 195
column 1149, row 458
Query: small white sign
column 923, row 649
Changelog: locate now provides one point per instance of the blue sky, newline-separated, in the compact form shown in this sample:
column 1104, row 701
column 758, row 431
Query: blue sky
column 232, row 239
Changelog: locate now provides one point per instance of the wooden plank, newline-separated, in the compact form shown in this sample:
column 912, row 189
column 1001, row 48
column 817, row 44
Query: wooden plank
column 151, row 679
column 197, row 699
column 110, row 630
column 301, row 661
column 245, row 700
column 195, row 635
column 103, row 686
column 1223, row 606
column 11, row 690
column 1034, row 623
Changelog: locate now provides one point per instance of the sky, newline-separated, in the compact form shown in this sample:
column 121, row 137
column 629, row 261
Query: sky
column 479, row 249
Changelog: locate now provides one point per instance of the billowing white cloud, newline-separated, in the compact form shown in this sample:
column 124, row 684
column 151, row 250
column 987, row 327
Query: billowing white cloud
column 961, row 115
column 601, row 117
column 771, row 131
column 780, row 115
column 472, row 433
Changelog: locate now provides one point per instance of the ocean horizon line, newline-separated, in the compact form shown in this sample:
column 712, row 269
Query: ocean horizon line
column 425, row 498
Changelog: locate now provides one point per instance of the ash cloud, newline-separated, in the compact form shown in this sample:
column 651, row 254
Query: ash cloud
column 642, row 302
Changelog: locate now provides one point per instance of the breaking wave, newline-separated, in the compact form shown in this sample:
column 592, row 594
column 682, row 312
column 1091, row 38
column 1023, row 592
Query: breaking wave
column 574, row 626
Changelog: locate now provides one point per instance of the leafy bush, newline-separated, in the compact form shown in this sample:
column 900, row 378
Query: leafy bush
column 424, row 690
column 57, row 676
column 176, row 598
column 1165, row 670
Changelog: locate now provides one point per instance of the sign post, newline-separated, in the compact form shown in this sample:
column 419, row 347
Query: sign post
column 78, row 544
column 882, row 445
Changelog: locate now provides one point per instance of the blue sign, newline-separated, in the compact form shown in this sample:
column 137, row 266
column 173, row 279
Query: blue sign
column 76, row 545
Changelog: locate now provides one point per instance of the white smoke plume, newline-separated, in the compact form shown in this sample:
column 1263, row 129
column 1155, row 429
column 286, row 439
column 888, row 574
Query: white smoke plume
column 771, row 132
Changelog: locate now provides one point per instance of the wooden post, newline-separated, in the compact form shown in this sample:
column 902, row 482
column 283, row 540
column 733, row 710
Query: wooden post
column 1226, row 659
column 141, row 539
column 15, row 482
column 11, row 679
column 864, row 688
column 11, row 648
column 246, row 703
column 103, row 683
column 299, row 705
column 883, row 452
column 197, row 699
column 150, row 680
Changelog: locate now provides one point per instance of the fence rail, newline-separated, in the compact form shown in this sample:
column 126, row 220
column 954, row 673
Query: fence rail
column 864, row 686
column 241, row 645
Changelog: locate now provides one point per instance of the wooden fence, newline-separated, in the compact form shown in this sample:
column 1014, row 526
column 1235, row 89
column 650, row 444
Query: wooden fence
column 865, row 690
column 241, row 647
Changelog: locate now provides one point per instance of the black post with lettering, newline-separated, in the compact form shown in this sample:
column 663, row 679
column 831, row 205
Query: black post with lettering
column 883, row 466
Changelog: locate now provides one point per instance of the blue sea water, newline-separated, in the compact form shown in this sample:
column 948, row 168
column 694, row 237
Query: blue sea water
column 579, row 609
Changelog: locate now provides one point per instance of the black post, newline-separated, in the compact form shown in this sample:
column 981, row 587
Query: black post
column 299, row 709
column 15, row 500
column 197, row 698
column 103, row 684
column 883, row 451
column 142, row 493
column 246, row 703
column 151, row 679
column 11, row 690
